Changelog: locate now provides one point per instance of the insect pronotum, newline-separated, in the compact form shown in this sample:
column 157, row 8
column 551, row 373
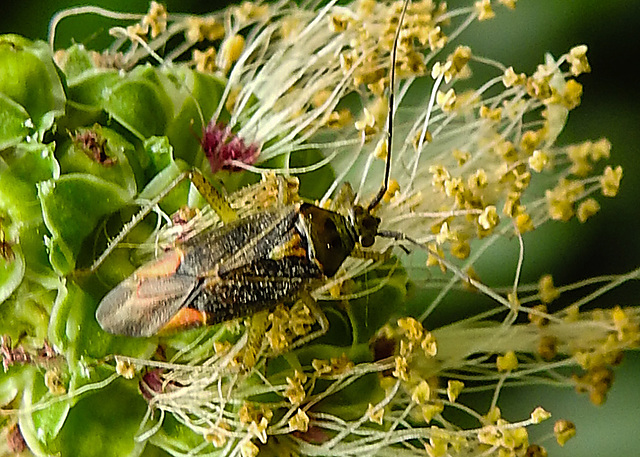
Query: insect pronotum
column 246, row 265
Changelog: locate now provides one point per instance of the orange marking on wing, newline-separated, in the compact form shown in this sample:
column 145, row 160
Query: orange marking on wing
column 292, row 248
column 166, row 265
column 184, row 319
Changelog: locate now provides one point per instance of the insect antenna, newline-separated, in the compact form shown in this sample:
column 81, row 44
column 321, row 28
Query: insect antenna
column 392, row 79
column 398, row 236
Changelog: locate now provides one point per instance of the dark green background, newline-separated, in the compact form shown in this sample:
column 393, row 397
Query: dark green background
column 609, row 243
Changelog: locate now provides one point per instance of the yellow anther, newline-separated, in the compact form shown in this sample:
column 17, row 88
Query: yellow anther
column 507, row 362
column 586, row 209
column 577, row 57
column 454, row 388
column 547, row 290
column 511, row 78
column 230, row 51
column 564, row 431
column 538, row 160
column 610, row 181
column 484, row 10
column 299, row 421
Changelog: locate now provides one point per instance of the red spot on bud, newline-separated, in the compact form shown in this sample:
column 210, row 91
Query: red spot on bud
column 15, row 440
column 151, row 384
column 225, row 149
column 315, row 435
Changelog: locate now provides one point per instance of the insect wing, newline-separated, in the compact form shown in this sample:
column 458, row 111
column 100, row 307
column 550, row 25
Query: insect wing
column 266, row 261
column 171, row 291
column 219, row 274
column 238, row 243
column 146, row 301
column 252, row 288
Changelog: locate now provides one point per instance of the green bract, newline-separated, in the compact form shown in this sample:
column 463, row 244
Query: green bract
column 29, row 78
column 11, row 273
column 72, row 207
column 14, row 122
column 139, row 104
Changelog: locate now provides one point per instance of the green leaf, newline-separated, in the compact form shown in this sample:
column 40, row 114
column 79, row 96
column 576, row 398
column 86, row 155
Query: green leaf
column 46, row 421
column 104, row 424
column 176, row 438
column 28, row 76
column 200, row 94
column 91, row 87
column 177, row 198
column 75, row 61
column 136, row 105
column 26, row 311
column 14, row 122
column 18, row 199
column 11, row 272
column 25, row 421
column 112, row 165
column 140, row 104
column 28, row 164
column 160, row 151
column 33, row 162
column 12, row 381
column 36, row 255
column 72, row 206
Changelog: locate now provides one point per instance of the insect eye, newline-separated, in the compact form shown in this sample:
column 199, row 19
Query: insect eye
column 367, row 240
column 370, row 223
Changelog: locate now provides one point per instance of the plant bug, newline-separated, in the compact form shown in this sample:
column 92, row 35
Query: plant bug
column 249, row 263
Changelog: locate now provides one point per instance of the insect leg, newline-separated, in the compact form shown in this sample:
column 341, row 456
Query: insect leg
column 136, row 219
column 306, row 299
column 372, row 255
column 399, row 236
column 256, row 327
column 215, row 199
column 345, row 198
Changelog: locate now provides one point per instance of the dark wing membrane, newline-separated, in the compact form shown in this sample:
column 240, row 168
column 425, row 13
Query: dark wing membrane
column 141, row 306
column 226, row 272
column 253, row 287
column 238, row 243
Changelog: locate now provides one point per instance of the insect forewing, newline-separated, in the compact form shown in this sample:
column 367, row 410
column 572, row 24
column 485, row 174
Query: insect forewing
column 145, row 302
column 177, row 289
